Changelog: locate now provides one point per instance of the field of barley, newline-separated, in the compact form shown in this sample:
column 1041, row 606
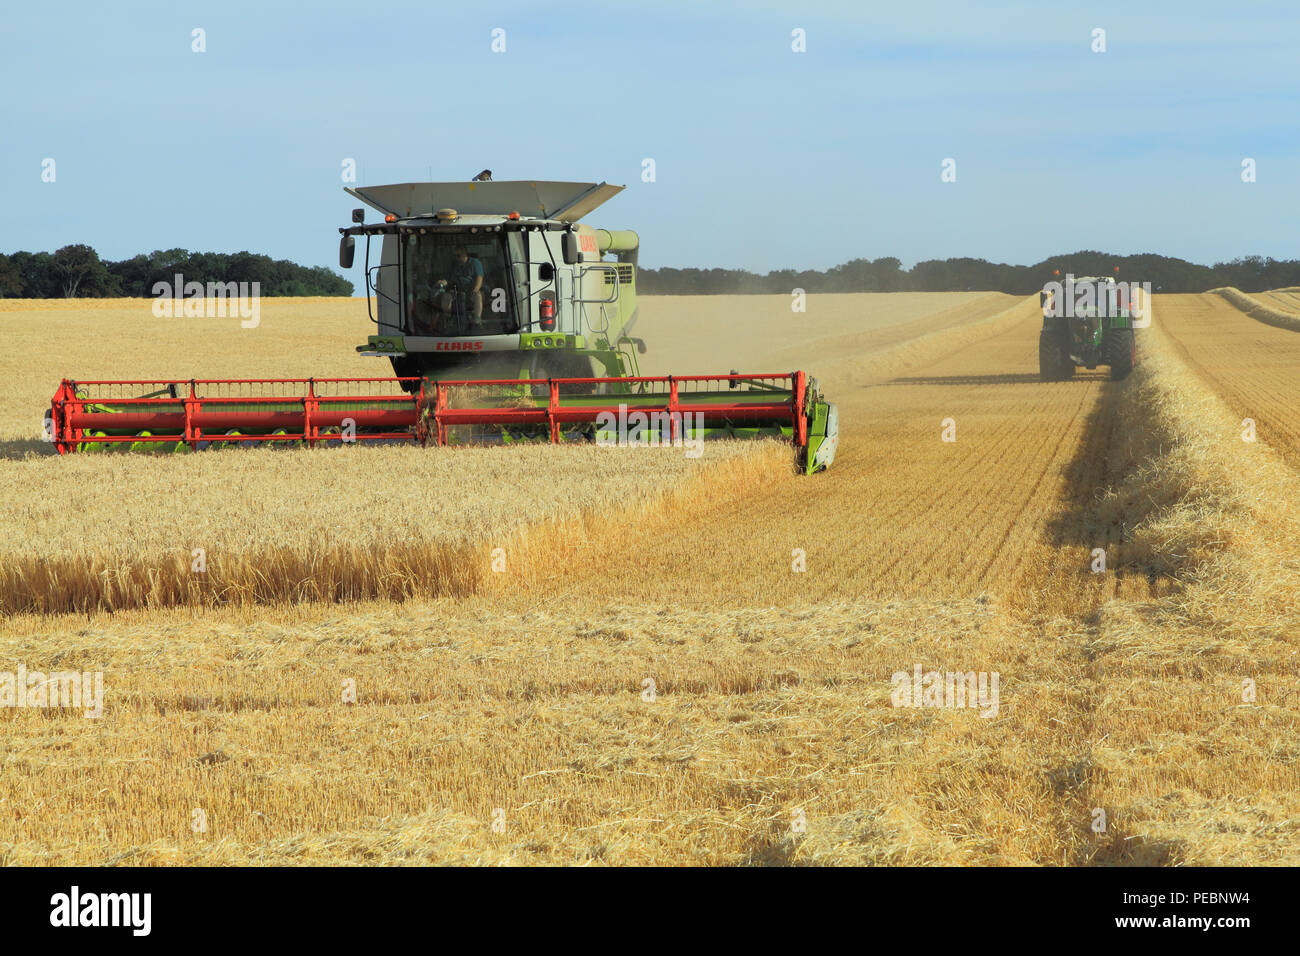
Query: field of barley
column 677, row 661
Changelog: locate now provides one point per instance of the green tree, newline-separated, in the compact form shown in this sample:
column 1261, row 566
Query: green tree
column 11, row 279
column 78, row 269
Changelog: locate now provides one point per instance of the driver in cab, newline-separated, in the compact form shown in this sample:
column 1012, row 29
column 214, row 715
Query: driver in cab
column 467, row 278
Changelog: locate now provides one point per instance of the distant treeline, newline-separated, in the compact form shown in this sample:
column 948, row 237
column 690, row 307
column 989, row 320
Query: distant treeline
column 77, row 272
column 1250, row 274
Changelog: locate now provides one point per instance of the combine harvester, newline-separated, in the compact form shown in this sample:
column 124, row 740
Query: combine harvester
column 503, row 322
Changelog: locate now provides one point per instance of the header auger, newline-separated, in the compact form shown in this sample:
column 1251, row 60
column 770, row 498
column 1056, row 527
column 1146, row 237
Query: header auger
column 502, row 320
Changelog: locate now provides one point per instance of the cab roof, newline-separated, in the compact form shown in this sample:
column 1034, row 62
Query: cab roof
column 566, row 202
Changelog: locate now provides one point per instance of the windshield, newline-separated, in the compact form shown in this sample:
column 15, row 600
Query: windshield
column 456, row 283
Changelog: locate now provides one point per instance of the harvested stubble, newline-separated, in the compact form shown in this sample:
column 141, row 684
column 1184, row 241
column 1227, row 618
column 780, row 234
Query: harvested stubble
column 1119, row 691
column 1287, row 300
column 1186, row 765
column 1249, row 364
column 463, row 708
column 1271, row 314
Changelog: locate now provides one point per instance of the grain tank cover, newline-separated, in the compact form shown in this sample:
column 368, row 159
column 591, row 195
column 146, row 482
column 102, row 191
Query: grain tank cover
column 568, row 202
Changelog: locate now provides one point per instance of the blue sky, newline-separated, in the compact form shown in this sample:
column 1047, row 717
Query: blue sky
column 765, row 158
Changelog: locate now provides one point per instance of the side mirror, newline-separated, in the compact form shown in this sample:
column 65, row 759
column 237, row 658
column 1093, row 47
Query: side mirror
column 347, row 251
column 358, row 215
column 569, row 243
column 546, row 272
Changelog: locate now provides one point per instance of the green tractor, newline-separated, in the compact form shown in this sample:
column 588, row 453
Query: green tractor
column 1087, row 322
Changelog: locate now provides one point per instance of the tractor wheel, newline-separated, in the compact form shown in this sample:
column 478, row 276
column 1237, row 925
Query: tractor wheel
column 1123, row 353
column 1054, row 363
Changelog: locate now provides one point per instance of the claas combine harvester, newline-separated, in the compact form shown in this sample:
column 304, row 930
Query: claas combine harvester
column 505, row 319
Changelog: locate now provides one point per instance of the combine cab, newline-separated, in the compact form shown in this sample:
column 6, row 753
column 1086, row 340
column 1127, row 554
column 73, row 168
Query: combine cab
column 492, row 280
column 1087, row 322
column 503, row 320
